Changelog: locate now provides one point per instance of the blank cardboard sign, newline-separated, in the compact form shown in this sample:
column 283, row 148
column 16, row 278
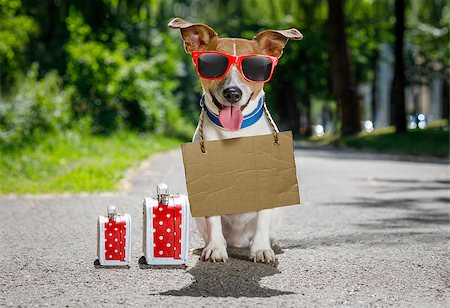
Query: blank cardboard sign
column 240, row 174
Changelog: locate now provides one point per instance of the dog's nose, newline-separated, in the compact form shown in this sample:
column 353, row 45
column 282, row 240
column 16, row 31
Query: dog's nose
column 232, row 94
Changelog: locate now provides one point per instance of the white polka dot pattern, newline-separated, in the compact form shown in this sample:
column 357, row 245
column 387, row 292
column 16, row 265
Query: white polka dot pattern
column 115, row 240
column 167, row 230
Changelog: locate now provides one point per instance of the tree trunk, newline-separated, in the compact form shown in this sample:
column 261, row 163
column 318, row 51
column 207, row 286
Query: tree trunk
column 148, row 39
column 398, row 84
column 343, row 87
column 294, row 119
column 288, row 109
column 446, row 99
column 374, row 89
column 307, row 101
column 286, row 99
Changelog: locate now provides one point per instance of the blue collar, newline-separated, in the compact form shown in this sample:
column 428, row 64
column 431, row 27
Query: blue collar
column 249, row 119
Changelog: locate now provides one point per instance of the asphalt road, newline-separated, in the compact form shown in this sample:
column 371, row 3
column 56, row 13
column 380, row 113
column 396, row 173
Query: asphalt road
column 371, row 231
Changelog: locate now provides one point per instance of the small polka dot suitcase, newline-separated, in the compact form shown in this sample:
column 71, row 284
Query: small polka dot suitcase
column 114, row 238
column 166, row 228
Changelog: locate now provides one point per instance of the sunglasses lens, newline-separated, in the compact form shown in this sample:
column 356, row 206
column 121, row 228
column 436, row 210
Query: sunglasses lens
column 257, row 68
column 212, row 65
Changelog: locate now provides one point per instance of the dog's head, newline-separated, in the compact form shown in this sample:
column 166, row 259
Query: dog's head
column 233, row 89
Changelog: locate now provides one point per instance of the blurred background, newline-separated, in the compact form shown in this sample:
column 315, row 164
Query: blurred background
column 90, row 87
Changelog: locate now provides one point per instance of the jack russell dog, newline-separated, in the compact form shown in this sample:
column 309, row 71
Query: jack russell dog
column 232, row 73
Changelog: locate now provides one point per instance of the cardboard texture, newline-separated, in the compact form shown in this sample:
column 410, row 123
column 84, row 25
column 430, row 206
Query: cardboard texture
column 240, row 174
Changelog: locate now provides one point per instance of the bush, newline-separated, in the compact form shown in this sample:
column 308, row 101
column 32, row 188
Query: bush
column 119, row 89
column 93, row 72
column 35, row 107
column 108, row 85
column 15, row 33
column 148, row 101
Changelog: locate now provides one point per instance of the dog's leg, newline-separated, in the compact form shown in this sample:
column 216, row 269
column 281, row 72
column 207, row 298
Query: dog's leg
column 216, row 248
column 260, row 249
column 276, row 222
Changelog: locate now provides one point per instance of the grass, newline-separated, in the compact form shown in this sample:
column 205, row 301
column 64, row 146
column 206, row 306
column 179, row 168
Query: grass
column 73, row 162
column 432, row 141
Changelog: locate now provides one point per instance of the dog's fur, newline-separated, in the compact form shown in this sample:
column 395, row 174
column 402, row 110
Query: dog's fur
column 257, row 230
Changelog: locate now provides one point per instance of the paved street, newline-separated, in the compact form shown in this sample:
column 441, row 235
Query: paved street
column 371, row 231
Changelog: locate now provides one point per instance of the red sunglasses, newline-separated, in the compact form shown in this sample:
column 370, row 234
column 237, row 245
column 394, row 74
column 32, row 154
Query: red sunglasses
column 213, row 65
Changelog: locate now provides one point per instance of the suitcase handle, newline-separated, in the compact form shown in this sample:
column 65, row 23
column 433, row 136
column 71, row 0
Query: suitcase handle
column 162, row 191
column 112, row 213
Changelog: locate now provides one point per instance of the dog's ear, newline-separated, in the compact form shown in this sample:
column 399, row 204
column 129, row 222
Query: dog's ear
column 195, row 36
column 272, row 42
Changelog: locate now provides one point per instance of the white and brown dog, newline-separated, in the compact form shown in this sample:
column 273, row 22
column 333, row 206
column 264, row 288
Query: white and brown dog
column 232, row 78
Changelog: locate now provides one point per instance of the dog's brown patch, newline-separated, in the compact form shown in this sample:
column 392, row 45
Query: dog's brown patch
column 198, row 37
column 243, row 47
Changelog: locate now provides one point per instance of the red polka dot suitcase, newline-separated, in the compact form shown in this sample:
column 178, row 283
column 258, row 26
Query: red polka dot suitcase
column 114, row 238
column 166, row 228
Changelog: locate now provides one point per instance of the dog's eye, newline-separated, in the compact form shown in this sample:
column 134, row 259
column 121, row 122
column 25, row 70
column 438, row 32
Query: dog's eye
column 212, row 65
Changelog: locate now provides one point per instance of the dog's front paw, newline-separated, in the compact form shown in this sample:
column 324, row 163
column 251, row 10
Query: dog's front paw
column 214, row 253
column 262, row 254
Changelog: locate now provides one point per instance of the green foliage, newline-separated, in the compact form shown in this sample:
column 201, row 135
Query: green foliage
column 94, row 74
column 367, row 28
column 122, row 68
column 432, row 141
column 77, row 27
column 117, row 88
column 428, row 24
column 35, row 107
column 149, row 103
column 15, row 33
column 76, row 162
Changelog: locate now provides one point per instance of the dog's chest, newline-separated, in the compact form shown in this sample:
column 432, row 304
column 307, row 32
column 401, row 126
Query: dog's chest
column 239, row 229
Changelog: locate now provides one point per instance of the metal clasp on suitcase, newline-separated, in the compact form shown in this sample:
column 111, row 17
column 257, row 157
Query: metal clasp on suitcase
column 162, row 192
column 112, row 212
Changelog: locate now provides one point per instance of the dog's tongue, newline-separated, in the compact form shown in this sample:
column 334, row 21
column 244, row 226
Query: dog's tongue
column 231, row 117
